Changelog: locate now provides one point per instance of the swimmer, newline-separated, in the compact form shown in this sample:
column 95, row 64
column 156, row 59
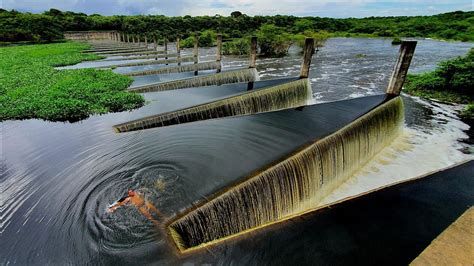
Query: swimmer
column 144, row 207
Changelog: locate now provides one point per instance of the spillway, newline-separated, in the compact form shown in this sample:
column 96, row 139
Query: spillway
column 285, row 95
column 225, row 77
column 296, row 182
column 176, row 69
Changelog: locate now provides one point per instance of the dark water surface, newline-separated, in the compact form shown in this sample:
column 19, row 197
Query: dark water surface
column 57, row 179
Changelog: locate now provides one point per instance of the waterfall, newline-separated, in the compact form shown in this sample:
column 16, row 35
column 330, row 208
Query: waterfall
column 287, row 95
column 232, row 76
column 153, row 62
column 291, row 186
column 177, row 69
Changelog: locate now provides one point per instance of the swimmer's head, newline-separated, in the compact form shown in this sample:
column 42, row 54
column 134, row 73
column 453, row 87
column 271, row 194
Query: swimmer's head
column 131, row 193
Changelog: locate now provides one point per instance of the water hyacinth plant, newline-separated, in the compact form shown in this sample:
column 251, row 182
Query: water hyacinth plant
column 30, row 87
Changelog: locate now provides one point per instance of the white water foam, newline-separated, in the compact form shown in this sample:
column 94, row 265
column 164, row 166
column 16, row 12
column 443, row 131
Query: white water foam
column 414, row 153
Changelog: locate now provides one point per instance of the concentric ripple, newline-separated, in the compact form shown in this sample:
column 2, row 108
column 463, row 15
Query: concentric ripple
column 57, row 179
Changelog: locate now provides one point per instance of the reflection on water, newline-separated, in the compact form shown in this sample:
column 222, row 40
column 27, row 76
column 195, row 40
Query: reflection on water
column 57, row 179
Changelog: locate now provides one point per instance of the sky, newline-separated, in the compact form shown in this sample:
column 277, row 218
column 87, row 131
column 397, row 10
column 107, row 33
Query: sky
column 321, row 8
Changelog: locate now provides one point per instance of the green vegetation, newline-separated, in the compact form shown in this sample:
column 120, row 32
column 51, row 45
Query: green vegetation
column 30, row 87
column 16, row 26
column 468, row 112
column 187, row 43
column 319, row 37
column 240, row 46
column 396, row 41
column 451, row 81
column 273, row 40
column 207, row 38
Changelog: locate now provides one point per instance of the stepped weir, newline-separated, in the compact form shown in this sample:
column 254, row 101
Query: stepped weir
column 282, row 96
column 339, row 138
column 295, row 184
column 286, row 95
column 225, row 77
column 292, row 185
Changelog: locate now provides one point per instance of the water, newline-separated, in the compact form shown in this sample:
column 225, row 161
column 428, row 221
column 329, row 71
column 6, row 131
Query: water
column 58, row 178
column 299, row 182
column 286, row 95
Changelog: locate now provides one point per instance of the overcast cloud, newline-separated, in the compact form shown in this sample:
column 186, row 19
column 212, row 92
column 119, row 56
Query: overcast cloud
column 323, row 8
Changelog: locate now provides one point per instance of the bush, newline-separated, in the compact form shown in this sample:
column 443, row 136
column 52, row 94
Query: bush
column 273, row 41
column 468, row 112
column 187, row 43
column 396, row 41
column 452, row 80
column 236, row 47
column 207, row 38
column 320, row 38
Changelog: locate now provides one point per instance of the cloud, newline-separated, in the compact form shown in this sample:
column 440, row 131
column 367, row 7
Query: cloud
column 332, row 8
column 324, row 8
column 103, row 7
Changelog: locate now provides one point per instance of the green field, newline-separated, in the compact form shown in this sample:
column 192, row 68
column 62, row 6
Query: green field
column 30, row 87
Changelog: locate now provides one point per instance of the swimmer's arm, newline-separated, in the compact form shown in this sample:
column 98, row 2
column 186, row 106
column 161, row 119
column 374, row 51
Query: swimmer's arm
column 118, row 204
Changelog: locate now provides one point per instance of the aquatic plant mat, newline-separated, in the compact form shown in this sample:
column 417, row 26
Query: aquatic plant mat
column 31, row 87
column 286, row 95
column 225, row 77
column 176, row 69
column 296, row 182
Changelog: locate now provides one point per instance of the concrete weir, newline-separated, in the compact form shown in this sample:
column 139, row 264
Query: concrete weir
column 282, row 96
column 152, row 55
column 296, row 182
column 455, row 246
column 152, row 62
column 335, row 140
column 177, row 69
column 391, row 225
column 225, row 77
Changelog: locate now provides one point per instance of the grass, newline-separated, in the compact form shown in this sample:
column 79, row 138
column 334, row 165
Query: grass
column 452, row 81
column 468, row 112
column 440, row 95
column 30, row 87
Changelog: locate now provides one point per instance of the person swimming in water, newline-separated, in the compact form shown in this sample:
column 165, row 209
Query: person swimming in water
column 143, row 206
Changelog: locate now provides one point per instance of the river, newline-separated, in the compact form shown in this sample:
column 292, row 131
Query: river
column 57, row 178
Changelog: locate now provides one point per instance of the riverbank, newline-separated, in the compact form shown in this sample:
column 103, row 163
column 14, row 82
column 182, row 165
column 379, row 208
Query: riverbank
column 452, row 81
column 30, row 86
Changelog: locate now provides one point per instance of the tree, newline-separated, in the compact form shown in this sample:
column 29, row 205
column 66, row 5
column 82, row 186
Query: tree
column 273, row 40
column 303, row 25
column 236, row 14
column 320, row 38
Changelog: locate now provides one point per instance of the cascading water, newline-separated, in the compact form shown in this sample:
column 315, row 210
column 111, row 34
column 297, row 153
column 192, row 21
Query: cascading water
column 176, row 69
column 153, row 62
column 120, row 51
column 287, row 95
column 232, row 76
column 285, row 189
column 152, row 56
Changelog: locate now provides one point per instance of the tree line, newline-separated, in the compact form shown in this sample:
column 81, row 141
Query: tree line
column 49, row 26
